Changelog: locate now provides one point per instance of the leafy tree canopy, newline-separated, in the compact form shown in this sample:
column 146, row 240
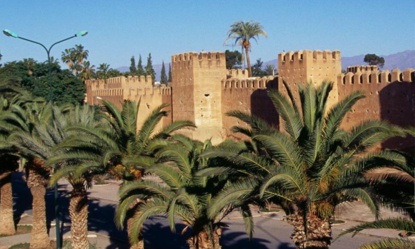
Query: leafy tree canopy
column 149, row 68
column 74, row 58
column 233, row 59
column 373, row 59
column 61, row 85
column 163, row 78
column 257, row 70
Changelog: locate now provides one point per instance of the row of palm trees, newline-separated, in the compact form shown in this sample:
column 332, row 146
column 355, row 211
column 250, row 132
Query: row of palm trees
column 308, row 169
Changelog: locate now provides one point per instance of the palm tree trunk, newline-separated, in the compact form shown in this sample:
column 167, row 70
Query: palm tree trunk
column 248, row 61
column 78, row 212
column 40, row 238
column 202, row 241
column 6, row 204
column 37, row 185
column 140, row 244
column 318, row 233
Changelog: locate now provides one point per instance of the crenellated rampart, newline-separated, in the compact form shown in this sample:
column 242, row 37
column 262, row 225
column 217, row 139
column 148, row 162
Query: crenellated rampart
column 388, row 96
column 373, row 77
column 301, row 55
column 248, row 83
column 250, row 96
column 237, row 73
column 205, row 91
column 366, row 68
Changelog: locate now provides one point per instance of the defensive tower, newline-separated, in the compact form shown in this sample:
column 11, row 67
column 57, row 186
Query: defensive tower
column 316, row 66
column 196, row 84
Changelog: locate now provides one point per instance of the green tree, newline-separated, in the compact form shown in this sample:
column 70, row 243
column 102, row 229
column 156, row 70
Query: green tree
column 170, row 78
column 113, row 73
column 313, row 165
column 102, row 71
column 149, row 68
column 163, row 78
column 88, row 71
column 242, row 32
column 57, row 84
column 133, row 68
column 140, row 69
column 257, row 70
column 233, row 59
column 74, row 58
column 373, row 59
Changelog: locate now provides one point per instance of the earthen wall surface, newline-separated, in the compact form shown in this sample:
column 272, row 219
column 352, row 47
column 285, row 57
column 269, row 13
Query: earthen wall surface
column 249, row 96
column 306, row 66
column 203, row 91
column 118, row 89
column 197, row 92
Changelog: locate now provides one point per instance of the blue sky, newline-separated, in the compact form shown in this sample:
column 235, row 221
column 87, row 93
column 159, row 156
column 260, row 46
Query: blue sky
column 119, row 29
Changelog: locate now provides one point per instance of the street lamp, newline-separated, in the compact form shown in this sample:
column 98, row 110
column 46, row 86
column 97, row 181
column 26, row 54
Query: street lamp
column 10, row 33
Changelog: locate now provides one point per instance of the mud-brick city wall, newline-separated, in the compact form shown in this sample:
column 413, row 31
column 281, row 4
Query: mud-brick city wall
column 118, row 89
column 389, row 96
column 249, row 96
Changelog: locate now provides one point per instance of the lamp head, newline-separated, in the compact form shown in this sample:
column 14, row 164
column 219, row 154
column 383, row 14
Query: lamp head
column 81, row 33
column 10, row 33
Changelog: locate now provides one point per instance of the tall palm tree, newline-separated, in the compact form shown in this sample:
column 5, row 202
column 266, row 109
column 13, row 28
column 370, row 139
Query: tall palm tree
column 28, row 119
column 102, row 72
column 242, row 32
column 74, row 57
column 181, row 190
column 76, row 156
column 313, row 165
column 11, row 97
column 87, row 70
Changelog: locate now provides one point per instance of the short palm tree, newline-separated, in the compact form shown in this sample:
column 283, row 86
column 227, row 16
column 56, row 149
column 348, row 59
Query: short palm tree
column 130, row 148
column 242, row 32
column 183, row 192
column 313, row 165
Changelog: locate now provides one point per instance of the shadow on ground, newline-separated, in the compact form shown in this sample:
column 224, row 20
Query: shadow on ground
column 157, row 234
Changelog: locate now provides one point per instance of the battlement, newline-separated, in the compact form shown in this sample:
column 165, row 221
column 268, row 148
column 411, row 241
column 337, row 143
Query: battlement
column 248, row 83
column 301, row 55
column 237, row 73
column 366, row 68
column 371, row 77
column 121, row 82
column 190, row 56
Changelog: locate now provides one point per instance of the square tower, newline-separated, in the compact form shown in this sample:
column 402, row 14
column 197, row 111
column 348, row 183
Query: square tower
column 301, row 67
column 196, row 84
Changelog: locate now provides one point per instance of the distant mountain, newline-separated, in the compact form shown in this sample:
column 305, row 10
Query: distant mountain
column 401, row 60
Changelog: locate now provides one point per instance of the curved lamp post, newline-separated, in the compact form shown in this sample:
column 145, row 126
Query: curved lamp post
column 10, row 33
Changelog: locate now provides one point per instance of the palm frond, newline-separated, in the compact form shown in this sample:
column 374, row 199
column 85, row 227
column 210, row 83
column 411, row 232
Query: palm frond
column 291, row 118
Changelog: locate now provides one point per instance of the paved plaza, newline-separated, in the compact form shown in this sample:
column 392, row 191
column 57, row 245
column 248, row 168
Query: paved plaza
column 270, row 229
